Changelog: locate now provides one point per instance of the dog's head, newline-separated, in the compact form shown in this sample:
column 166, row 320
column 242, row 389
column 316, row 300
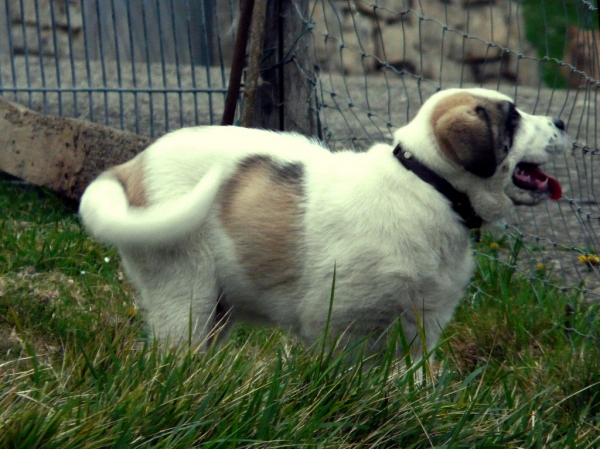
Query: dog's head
column 487, row 148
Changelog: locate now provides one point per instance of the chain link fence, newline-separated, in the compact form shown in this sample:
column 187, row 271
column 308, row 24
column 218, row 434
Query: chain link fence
column 151, row 66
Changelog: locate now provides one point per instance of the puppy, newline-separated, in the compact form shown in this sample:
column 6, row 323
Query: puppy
column 251, row 225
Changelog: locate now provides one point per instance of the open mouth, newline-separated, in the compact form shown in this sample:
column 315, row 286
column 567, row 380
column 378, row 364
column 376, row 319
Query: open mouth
column 530, row 177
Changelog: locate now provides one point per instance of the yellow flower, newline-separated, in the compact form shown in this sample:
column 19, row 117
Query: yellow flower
column 589, row 259
column 541, row 266
column 593, row 259
column 494, row 245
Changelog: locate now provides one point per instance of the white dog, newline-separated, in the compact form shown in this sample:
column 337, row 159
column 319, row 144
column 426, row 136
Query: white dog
column 250, row 225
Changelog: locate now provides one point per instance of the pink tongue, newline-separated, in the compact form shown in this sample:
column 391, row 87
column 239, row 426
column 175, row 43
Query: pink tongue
column 555, row 189
column 553, row 184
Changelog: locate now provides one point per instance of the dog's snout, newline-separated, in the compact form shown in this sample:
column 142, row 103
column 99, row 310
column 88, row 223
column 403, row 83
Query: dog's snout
column 559, row 124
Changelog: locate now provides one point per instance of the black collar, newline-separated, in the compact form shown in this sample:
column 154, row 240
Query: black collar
column 460, row 201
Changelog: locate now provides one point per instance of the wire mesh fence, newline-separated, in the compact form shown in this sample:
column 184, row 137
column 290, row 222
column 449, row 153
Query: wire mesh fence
column 151, row 66
column 146, row 66
column 380, row 60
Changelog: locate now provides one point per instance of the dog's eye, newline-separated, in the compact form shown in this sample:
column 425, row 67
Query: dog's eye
column 513, row 118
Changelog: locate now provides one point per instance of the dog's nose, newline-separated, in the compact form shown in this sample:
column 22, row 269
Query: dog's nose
column 559, row 124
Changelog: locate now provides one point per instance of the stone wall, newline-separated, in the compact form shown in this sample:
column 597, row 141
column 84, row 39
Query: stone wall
column 453, row 40
column 30, row 30
column 468, row 41
column 144, row 30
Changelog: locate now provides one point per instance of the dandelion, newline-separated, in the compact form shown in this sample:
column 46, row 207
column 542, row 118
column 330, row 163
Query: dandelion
column 107, row 259
column 591, row 260
column 540, row 266
column 494, row 245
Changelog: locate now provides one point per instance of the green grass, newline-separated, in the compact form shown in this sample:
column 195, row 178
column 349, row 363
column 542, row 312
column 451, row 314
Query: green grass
column 518, row 367
column 546, row 24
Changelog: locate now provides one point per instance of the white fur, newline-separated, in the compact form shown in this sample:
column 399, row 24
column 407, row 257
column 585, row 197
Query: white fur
column 398, row 249
column 164, row 222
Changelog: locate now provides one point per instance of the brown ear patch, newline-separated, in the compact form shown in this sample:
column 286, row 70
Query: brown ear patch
column 470, row 130
column 262, row 213
column 131, row 176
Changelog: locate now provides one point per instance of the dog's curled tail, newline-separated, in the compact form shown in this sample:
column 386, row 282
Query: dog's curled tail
column 107, row 215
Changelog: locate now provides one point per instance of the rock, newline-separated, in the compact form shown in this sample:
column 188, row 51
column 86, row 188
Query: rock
column 61, row 154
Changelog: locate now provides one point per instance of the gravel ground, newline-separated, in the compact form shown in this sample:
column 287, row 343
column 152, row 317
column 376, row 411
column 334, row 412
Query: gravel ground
column 356, row 111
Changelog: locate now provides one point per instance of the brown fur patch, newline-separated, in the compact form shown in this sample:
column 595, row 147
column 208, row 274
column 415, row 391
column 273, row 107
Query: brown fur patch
column 262, row 213
column 131, row 176
column 471, row 131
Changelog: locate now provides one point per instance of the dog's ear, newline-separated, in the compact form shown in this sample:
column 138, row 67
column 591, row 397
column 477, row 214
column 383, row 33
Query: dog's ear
column 470, row 131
